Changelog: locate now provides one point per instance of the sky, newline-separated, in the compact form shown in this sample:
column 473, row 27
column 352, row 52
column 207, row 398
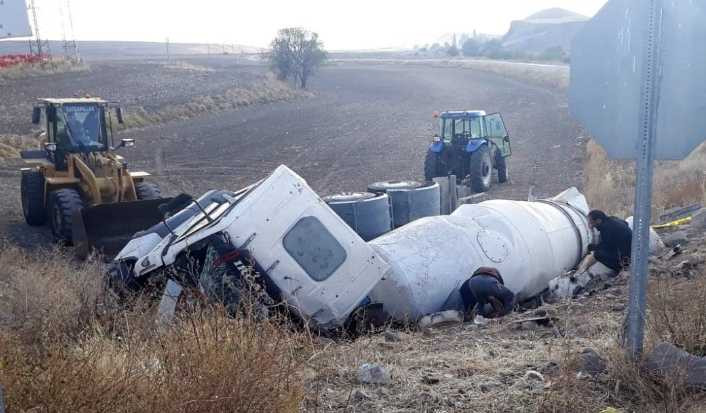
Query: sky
column 349, row 24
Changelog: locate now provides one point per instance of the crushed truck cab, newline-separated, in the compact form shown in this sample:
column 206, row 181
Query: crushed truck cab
column 304, row 252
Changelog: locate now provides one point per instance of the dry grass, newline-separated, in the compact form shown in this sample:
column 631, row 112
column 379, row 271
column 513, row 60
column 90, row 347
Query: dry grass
column 267, row 90
column 461, row 368
column 59, row 330
column 676, row 315
column 55, row 65
column 11, row 145
column 66, row 346
column 610, row 185
column 187, row 66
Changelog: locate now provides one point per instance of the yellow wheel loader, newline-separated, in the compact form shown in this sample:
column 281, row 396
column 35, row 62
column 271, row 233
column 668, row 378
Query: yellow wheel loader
column 78, row 184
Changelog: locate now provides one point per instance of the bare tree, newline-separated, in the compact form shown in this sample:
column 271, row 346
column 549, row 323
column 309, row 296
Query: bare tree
column 296, row 53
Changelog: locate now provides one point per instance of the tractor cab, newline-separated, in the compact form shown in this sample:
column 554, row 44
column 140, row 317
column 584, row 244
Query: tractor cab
column 460, row 128
column 74, row 126
column 469, row 144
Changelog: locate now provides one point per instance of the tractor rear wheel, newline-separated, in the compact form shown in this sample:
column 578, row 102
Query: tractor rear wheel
column 481, row 169
column 502, row 167
column 63, row 203
column 147, row 190
column 32, row 189
column 432, row 164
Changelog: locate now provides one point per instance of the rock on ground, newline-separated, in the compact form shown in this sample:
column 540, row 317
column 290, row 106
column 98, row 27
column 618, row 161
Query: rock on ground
column 373, row 374
column 668, row 360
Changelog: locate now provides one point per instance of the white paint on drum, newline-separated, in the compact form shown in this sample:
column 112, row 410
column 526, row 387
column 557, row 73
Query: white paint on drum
column 529, row 242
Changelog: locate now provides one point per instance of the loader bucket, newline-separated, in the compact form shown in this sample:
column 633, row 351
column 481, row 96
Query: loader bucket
column 107, row 228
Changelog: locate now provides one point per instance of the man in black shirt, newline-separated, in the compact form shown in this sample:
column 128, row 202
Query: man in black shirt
column 615, row 246
column 485, row 294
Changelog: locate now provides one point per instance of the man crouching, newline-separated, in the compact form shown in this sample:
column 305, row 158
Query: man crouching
column 615, row 246
column 485, row 294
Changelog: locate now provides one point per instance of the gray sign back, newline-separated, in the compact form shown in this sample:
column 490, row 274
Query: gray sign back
column 607, row 72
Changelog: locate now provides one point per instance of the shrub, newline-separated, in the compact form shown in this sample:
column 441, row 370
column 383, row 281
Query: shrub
column 610, row 185
column 66, row 346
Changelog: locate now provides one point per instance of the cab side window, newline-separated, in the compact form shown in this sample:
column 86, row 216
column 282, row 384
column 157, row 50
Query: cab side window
column 314, row 248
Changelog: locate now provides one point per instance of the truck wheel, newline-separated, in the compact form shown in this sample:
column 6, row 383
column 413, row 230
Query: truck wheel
column 501, row 165
column 32, row 190
column 63, row 203
column 147, row 190
column 431, row 166
column 383, row 187
column 481, row 169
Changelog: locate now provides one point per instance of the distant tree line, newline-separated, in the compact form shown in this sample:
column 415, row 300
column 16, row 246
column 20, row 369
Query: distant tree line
column 296, row 53
column 489, row 48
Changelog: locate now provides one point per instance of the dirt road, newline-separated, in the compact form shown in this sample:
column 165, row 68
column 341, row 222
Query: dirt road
column 365, row 123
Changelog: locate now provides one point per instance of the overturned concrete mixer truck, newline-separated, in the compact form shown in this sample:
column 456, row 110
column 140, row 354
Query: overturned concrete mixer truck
column 305, row 255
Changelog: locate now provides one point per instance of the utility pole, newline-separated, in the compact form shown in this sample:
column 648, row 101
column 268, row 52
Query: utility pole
column 167, row 47
column 38, row 38
column 73, row 45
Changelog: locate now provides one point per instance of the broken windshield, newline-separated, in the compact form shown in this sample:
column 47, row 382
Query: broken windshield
column 80, row 127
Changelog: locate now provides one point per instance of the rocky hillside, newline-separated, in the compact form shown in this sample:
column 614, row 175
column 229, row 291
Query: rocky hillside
column 543, row 31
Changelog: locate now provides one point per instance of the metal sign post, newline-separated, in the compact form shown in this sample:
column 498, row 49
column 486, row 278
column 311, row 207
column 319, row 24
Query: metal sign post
column 637, row 85
column 643, row 189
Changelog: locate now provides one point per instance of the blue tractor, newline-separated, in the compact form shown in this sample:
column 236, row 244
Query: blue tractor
column 469, row 144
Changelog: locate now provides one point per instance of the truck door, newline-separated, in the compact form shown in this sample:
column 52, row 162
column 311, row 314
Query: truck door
column 320, row 265
column 497, row 133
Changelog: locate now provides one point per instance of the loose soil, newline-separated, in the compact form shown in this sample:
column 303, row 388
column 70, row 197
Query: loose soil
column 365, row 123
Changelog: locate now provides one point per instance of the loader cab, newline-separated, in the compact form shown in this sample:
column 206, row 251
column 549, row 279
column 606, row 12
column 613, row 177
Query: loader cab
column 75, row 126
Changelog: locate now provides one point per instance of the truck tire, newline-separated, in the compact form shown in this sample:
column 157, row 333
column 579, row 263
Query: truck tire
column 32, row 190
column 502, row 167
column 63, row 203
column 432, row 162
column 383, row 187
column 147, row 190
column 366, row 213
column 481, row 169
column 409, row 205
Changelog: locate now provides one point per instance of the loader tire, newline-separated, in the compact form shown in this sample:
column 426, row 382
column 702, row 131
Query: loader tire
column 501, row 165
column 63, row 203
column 147, row 190
column 432, row 164
column 481, row 167
column 32, row 189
